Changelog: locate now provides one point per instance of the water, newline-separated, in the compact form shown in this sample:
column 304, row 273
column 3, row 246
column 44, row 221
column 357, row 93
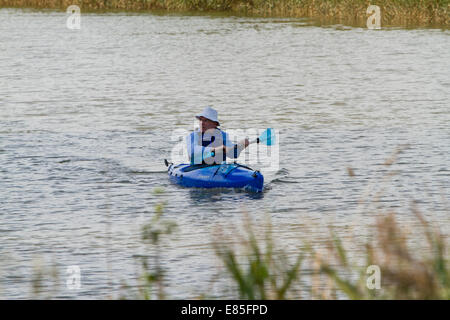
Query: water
column 86, row 119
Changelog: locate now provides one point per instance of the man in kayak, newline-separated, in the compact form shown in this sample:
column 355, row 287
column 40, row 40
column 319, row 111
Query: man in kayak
column 209, row 144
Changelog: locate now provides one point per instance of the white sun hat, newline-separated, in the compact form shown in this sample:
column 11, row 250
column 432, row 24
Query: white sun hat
column 209, row 113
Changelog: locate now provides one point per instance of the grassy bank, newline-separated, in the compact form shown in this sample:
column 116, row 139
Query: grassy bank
column 352, row 12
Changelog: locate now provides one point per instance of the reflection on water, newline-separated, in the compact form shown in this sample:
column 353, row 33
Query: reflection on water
column 214, row 195
column 86, row 119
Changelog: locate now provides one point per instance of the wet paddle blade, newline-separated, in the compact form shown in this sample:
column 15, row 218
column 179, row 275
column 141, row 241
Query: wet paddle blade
column 267, row 137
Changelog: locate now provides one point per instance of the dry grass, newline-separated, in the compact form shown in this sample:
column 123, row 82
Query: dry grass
column 260, row 269
column 406, row 272
column 412, row 257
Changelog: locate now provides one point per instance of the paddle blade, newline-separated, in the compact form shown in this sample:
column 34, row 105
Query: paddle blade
column 267, row 137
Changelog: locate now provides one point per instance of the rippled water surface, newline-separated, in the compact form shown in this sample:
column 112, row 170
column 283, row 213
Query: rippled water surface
column 86, row 119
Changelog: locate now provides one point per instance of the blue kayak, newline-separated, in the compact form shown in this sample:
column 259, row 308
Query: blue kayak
column 225, row 175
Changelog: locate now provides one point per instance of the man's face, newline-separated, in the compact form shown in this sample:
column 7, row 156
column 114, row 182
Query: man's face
column 206, row 124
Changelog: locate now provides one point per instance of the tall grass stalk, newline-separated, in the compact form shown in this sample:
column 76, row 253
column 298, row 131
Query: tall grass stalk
column 153, row 271
column 407, row 270
column 261, row 271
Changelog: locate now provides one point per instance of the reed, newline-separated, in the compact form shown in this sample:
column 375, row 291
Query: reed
column 152, row 278
column 412, row 258
column 406, row 273
column 352, row 12
column 261, row 270
column 45, row 280
column 258, row 271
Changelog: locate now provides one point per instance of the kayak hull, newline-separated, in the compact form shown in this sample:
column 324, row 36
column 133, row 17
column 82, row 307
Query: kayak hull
column 216, row 176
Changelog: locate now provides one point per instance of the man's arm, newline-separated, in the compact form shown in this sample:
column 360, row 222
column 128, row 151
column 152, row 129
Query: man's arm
column 234, row 150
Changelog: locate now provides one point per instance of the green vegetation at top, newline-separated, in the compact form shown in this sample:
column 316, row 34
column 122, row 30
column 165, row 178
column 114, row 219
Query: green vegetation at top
column 353, row 12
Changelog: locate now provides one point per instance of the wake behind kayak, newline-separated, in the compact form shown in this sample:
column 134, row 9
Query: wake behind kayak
column 225, row 175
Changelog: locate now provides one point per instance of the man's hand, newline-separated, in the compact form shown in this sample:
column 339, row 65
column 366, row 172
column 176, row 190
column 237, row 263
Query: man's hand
column 243, row 144
column 222, row 149
column 229, row 151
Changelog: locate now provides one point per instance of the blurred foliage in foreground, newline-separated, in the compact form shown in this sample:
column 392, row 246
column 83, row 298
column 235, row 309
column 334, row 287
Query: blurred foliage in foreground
column 405, row 273
column 260, row 269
